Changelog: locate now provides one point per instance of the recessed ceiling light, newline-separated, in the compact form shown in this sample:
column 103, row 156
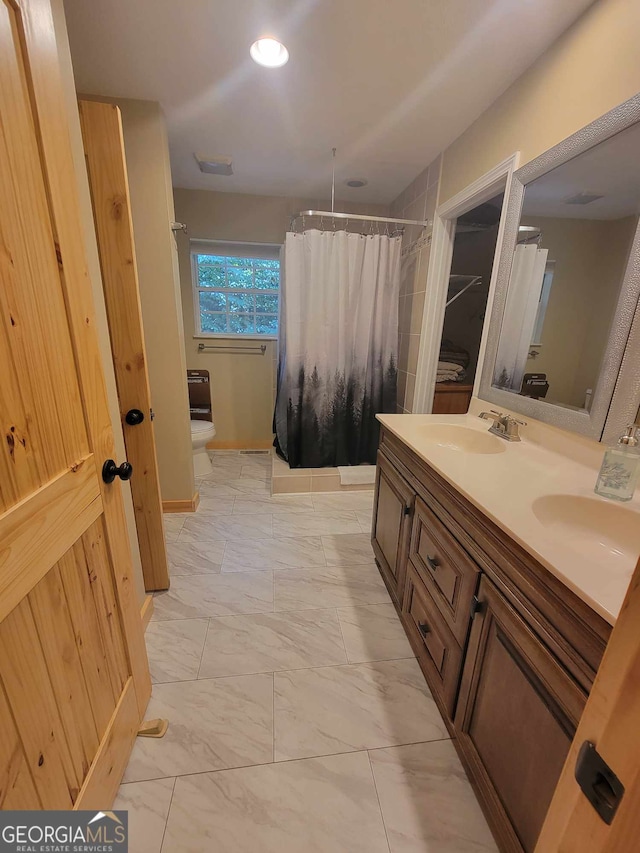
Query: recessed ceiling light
column 269, row 52
column 356, row 183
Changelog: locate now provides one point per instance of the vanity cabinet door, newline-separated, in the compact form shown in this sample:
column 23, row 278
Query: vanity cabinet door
column 392, row 512
column 516, row 716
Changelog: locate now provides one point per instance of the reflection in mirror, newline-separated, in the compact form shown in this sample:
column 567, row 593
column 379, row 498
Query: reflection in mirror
column 576, row 229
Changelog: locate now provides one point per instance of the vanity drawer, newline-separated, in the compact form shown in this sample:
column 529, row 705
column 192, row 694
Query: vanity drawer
column 438, row 651
column 448, row 572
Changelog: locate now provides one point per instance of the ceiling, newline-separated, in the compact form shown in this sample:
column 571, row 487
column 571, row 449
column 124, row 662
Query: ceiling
column 389, row 83
column 609, row 169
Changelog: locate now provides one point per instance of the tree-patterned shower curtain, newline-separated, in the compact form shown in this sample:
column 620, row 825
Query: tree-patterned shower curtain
column 338, row 346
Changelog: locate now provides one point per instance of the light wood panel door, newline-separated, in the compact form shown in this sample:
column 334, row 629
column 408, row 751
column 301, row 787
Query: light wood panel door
column 74, row 679
column 106, row 166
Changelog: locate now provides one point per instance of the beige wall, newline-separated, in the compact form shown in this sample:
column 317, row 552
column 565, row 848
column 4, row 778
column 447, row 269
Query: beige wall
column 590, row 69
column 149, row 173
column 242, row 386
column 93, row 265
column 417, row 201
column 590, row 257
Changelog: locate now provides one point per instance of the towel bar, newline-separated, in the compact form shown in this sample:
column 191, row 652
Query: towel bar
column 243, row 350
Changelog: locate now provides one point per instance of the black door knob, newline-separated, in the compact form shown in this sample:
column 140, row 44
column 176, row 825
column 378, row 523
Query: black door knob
column 134, row 417
column 110, row 471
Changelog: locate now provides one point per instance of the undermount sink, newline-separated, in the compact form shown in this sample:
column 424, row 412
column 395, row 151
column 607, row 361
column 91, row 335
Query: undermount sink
column 463, row 439
column 592, row 527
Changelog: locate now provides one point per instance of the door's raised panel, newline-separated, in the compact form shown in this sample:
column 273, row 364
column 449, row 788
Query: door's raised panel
column 97, row 561
column 55, row 630
column 17, row 790
column 25, row 678
column 438, row 652
column 45, row 431
column 89, row 637
column 446, row 569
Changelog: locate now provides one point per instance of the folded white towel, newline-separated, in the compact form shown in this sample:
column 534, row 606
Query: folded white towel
column 450, row 366
column 357, row 475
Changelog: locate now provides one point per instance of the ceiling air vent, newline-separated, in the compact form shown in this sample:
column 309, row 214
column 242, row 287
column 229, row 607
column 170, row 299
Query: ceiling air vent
column 583, row 198
column 214, row 165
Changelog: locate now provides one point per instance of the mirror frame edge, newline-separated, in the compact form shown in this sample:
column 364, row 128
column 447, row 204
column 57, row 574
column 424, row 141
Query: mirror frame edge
column 617, row 394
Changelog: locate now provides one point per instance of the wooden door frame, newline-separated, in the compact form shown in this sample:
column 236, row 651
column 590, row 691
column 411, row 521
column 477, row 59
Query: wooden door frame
column 484, row 188
column 50, row 112
column 103, row 140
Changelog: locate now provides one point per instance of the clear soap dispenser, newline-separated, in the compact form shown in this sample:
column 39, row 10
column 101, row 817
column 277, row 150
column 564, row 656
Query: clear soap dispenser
column 620, row 468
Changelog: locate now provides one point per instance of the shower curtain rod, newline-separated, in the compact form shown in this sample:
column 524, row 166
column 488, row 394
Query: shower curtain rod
column 424, row 223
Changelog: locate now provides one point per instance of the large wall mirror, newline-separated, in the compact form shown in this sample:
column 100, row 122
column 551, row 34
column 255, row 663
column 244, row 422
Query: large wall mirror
column 568, row 283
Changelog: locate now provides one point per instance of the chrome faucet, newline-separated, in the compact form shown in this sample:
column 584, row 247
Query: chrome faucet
column 503, row 425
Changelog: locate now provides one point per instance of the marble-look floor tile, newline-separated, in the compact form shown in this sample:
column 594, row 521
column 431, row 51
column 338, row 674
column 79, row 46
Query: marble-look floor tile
column 373, row 632
column 365, row 520
column 343, row 501
column 226, row 527
column 213, row 724
column 148, row 806
column 252, row 471
column 321, row 805
column 260, row 554
column 332, row 586
column 175, row 648
column 315, row 523
column 427, row 802
column 272, row 641
column 195, row 558
column 278, row 503
column 214, row 505
column 232, row 488
column 349, row 550
column 215, row 595
column 358, row 706
column 173, row 523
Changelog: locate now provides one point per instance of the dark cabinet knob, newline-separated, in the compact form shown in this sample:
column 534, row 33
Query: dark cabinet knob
column 110, row 471
column 424, row 629
column 134, row 417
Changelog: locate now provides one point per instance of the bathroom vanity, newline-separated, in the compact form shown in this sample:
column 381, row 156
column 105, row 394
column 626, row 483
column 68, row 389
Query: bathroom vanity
column 506, row 601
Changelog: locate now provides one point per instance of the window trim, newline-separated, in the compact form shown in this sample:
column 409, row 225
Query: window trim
column 227, row 248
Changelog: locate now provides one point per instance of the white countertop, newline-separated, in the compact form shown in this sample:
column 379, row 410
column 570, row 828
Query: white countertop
column 505, row 485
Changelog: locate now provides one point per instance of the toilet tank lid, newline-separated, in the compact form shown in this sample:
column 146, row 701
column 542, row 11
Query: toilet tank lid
column 201, row 426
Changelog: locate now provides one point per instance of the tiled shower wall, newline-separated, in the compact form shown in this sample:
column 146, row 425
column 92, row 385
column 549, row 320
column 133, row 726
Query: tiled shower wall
column 417, row 201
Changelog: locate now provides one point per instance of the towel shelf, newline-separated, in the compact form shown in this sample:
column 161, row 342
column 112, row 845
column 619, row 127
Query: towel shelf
column 242, row 350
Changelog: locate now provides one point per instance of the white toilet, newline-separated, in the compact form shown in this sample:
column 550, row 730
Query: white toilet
column 201, row 433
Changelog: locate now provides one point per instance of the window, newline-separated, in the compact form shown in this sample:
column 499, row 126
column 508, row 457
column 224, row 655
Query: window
column 236, row 293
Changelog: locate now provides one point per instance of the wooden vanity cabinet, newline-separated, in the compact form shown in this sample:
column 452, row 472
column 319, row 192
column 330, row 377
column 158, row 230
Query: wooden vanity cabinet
column 393, row 510
column 508, row 651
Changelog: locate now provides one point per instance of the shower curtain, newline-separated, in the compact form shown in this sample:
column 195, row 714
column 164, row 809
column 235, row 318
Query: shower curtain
column 338, row 346
column 519, row 318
